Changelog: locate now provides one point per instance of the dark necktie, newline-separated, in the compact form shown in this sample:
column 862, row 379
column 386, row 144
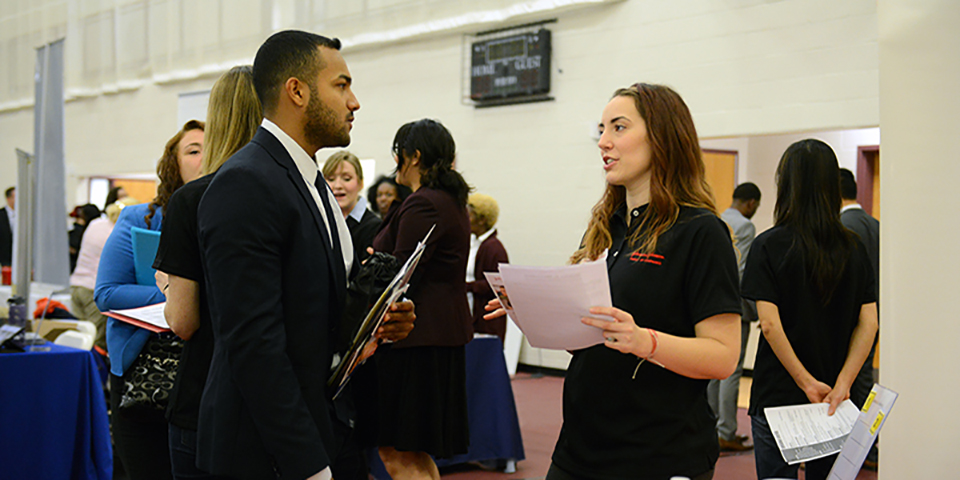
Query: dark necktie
column 332, row 222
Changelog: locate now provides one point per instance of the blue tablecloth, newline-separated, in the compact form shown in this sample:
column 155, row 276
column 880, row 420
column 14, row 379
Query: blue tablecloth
column 494, row 427
column 53, row 416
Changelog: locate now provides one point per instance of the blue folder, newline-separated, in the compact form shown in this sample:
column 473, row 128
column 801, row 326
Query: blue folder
column 145, row 243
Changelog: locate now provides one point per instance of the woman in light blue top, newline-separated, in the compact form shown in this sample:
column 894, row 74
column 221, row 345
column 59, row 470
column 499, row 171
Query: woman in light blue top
column 141, row 439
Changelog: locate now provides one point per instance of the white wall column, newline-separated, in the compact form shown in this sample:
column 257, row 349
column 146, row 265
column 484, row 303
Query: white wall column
column 919, row 258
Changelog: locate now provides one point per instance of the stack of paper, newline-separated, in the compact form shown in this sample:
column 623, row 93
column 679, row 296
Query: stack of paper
column 149, row 317
column 547, row 303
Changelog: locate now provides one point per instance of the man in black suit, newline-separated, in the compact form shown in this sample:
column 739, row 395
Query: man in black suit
column 8, row 220
column 867, row 228
column 277, row 258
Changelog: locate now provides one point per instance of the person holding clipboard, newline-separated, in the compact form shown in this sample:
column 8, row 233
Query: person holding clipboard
column 140, row 440
column 276, row 259
column 422, row 401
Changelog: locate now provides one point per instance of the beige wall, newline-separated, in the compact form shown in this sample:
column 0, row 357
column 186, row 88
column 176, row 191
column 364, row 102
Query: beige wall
column 919, row 259
column 745, row 67
column 760, row 154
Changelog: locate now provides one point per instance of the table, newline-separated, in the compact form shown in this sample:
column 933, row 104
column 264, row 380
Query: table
column 53, row 416
column 492, row 412
column 37, row 291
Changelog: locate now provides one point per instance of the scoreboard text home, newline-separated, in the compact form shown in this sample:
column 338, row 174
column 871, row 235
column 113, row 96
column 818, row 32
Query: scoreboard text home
column 513, row 66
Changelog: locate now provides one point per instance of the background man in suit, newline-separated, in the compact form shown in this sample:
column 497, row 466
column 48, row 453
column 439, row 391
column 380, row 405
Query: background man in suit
column 854, row 217
column 278, row 258
column 723, row 394
column 8, row 224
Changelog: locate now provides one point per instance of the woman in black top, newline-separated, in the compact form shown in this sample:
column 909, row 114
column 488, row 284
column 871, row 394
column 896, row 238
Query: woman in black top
column 635, row 407
column 234, row 115
column 815, row 295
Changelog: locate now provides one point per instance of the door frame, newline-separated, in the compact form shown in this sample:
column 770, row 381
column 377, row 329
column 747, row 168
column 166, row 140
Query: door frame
column 865, row 173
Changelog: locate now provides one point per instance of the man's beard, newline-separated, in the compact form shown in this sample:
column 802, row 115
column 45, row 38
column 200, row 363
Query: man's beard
column 323, row 128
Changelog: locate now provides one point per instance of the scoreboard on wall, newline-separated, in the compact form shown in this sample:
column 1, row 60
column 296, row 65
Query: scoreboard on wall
column 512, row 66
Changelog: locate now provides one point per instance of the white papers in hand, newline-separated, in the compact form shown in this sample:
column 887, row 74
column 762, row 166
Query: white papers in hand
column 150, row 315
column 547, row 303
column 805, row 432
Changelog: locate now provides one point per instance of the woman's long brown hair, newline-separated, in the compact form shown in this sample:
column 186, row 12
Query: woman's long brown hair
column 677, row 174
column 168, row 169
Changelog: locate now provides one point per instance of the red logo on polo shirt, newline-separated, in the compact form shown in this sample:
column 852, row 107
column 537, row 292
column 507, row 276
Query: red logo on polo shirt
column 647, row 258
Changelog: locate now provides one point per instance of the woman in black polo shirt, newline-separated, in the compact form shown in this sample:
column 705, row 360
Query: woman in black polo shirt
column 233, row 114
column 636, row 407
column 814, row 288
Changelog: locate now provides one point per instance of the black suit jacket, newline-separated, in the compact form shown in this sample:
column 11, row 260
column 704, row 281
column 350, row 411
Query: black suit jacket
column 275, row 290
column 6, row 239
column 868, row 229
column 363, row 232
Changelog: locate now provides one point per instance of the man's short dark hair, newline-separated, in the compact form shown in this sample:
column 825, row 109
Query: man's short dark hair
column 9, row 192
column 286, row 54
column 848, row 185
column 747, row 191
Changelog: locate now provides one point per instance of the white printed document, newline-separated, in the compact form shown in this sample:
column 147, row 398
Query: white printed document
column 805, row 432
column 547, row 303
column 875, row 411
column 149, row 317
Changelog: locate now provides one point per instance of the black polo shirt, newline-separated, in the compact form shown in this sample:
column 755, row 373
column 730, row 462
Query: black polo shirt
column 179, row 254
column 659, row 424
column 819, row 333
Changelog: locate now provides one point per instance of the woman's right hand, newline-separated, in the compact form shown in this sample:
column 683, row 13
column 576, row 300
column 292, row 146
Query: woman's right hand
column 496, row 310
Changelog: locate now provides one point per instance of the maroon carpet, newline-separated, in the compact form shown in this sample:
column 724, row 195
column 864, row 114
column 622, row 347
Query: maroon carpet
column 539, row 407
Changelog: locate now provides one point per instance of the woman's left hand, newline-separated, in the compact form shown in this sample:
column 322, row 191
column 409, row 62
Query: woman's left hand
column 622, row 333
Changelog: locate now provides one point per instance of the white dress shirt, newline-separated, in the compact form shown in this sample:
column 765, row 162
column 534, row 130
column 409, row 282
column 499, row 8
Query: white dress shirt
column 309, row 170
column 472, row 260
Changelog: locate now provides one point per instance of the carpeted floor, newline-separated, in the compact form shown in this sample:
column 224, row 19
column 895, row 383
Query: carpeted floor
column 539, row 408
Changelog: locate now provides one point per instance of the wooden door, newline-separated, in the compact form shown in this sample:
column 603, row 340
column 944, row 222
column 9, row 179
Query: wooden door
column 721, row 170
column 142, row 190
column 868, row 179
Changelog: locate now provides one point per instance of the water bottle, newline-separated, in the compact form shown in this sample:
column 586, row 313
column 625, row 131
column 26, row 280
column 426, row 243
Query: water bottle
column 18, row 311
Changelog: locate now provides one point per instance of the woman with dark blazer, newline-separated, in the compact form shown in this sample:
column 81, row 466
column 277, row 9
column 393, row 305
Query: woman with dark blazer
column 343, row 172
column 422, row 379
column 487, row 253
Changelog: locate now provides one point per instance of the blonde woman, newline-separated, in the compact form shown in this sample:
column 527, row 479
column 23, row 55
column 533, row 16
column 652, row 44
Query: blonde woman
column 486, row 254
column 233, row 117
column 345, row 176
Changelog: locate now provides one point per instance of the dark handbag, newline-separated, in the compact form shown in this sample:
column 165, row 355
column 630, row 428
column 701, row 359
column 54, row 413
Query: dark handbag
column 148, row 382
column 364, row 289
